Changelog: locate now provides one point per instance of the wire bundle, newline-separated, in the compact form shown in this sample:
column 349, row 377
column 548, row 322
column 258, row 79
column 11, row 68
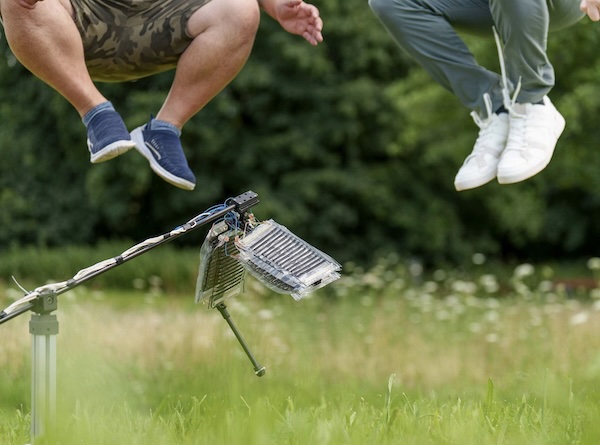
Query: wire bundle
column 25, row 303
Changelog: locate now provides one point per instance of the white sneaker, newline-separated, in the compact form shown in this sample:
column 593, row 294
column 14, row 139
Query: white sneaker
column 533, row 134
column 480, row 167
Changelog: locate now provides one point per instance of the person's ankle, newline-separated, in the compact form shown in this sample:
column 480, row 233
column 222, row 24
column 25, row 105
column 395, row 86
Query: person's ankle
column 157, row 124
column 104, row 106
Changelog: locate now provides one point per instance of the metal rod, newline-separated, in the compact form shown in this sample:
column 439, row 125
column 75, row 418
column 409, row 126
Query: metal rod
column 44, row 326
column 259, row 370
column 16, row 313
column 192, row 225
column 188, row 227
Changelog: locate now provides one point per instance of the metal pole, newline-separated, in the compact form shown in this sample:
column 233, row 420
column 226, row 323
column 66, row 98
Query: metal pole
column 240, row 203
column 43, row 327
column 259, row 370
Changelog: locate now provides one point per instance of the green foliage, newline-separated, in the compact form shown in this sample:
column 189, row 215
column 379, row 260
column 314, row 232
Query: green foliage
column 349, row 144
column 168, row 269
column 390, row 357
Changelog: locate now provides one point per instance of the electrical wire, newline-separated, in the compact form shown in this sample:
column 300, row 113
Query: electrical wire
column 101, row 266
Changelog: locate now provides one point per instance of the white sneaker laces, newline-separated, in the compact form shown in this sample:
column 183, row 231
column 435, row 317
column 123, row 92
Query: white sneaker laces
column 487, row 131
column 484, row 123
column 518, row 125
column 508, row 101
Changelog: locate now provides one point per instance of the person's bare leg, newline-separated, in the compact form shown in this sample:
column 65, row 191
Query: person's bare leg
column 46, row 41
column 223, row 33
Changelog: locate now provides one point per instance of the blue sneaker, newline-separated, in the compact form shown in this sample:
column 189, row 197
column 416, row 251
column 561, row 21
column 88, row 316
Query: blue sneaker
column 162, row 148
column 107, row 136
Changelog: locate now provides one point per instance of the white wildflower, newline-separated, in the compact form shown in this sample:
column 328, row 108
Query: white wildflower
column 452, row 300
column 491, row 338
column 439, row 275
column 579, row 318
column 373, row 280
column 595, row 294
column 523, row 270
column 593, row 263
column 416, row 269
column 139, row 283
column 443, row 315
column 265, row 314
column 430, row 287
column 489, row 283
column 478, row 259
column 475, row 328
column 492, row 303
column 492, row 316
column 464, row 287
column 545, row 286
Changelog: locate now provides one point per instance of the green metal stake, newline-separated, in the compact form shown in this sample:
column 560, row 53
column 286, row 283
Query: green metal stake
column 259, row 370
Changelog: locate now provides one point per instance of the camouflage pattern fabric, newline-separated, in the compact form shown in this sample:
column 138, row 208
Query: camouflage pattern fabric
column 129, row 39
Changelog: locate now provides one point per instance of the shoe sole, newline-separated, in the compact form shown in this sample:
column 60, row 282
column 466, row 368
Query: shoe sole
column 111, row 151
column 474, row 183
column 140, row 146
column 532, row 171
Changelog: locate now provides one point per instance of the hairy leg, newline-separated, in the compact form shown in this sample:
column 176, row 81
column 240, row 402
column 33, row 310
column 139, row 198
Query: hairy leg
column 223, row 34
column 46, row 41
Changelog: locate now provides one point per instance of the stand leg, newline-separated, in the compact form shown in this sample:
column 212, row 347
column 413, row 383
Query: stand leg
column 44, row 329
column 259, row 370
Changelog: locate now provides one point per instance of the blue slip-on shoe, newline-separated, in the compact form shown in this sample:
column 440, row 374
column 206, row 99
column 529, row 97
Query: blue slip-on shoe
column 107, row 136
column 162, row 148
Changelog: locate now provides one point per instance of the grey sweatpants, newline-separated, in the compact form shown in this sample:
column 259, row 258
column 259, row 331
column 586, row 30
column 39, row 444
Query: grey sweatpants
column 427, row 30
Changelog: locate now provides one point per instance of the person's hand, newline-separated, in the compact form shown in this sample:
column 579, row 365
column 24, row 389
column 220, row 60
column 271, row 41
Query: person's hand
column 591, row 8
column 299, row 18
column 29, row 4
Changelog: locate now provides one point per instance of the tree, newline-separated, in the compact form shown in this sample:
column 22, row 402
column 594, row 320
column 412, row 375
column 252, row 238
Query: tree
column 349, row 144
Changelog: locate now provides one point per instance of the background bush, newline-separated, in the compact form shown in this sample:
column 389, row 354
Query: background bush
column 349, row 144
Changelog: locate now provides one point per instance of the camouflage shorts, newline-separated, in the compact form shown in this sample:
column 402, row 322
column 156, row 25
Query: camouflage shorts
column 129, row 39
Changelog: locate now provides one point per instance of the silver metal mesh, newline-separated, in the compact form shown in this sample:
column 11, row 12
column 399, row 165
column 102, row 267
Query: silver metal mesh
column 220, row 275
column 284, row 262
column 270, row 252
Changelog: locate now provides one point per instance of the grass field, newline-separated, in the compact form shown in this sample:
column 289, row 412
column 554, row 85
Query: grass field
column 383, row 356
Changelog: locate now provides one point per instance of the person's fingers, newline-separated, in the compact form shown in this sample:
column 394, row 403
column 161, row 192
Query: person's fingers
column 591, row 8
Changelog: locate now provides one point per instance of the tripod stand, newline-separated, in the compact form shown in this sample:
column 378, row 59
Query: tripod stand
column 43, row 303
column 237, row 242
column 43, row 326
